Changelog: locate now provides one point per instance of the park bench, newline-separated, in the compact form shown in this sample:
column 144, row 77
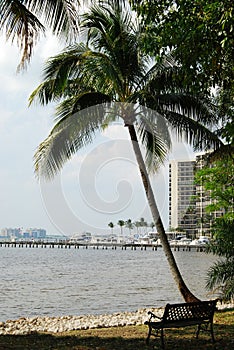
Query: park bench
column 199, row 313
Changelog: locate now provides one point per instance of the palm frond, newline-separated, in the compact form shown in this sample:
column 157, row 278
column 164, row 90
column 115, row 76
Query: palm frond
column 195, row 133
column 80, row 102
column 79, row 66
column 24, row 21
column 164, row 86
column 62, row 76
column 197, row 108
column 164, row 76
column 221, row 276
column 113, row 33
column 22, row 26
column 155, row 137
column 71, row 133
column 66, row 64
column 45, row 93
column 60, row 15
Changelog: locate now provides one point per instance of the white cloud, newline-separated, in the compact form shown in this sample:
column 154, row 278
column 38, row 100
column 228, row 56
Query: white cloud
column 48, row 47
column 116, row 131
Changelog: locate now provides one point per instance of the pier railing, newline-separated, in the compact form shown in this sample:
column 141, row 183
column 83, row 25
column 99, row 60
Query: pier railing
column 98, row 245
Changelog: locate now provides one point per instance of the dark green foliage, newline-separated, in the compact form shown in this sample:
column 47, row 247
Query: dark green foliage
column 199, row 33
column 221, row 278
column 219, row 180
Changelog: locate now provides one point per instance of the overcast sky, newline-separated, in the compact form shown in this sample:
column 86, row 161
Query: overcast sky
column 99, row 185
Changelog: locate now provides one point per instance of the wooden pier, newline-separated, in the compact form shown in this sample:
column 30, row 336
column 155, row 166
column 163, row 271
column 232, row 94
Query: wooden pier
column 99, row 245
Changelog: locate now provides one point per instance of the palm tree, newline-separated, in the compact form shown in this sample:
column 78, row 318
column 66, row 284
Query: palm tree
column 137, row 225
column 143, row 223
column 121, row 223
column 110, row 67
column 111, row 225
column 129, row 225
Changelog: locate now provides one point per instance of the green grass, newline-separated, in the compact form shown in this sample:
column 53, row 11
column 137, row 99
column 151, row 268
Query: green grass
column 126, row 338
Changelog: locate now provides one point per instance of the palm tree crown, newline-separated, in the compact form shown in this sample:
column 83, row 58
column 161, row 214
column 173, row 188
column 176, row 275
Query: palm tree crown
column 110, row 67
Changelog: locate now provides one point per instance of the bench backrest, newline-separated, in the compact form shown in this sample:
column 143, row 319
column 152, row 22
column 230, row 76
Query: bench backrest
column 202, row 310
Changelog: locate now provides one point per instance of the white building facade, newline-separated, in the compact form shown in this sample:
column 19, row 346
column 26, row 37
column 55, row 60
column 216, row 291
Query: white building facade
column 187, row 200
column 182, row 209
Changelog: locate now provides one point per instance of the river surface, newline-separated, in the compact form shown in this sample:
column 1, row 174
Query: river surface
column 56, row 282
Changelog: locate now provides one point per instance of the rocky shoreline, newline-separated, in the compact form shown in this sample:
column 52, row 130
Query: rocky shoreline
column 68, row 323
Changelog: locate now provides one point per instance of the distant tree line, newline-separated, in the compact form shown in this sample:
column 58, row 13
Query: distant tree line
column 140, row 225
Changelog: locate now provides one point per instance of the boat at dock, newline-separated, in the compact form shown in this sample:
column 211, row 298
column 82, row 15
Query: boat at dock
column 202, row 240
column 180, row 240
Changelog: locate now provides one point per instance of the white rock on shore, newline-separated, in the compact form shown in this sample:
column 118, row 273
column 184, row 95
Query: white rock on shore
column 68, row 323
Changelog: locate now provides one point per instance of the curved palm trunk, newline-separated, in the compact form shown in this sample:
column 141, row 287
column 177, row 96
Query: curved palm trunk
column 187, row 295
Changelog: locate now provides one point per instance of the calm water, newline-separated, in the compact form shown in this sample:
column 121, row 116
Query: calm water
column 55, row 282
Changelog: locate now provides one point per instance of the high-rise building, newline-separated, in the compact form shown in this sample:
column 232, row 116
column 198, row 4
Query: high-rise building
column 20, row 233
column 35, row 232
column 182, row 208
column 10, row 232
column 187, row 200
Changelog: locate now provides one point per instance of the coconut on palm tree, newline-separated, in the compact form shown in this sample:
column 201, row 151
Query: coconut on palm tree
column 107, row 77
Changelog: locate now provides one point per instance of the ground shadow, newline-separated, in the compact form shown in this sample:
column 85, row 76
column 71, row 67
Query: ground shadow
column 119, row 339
column 47, row 341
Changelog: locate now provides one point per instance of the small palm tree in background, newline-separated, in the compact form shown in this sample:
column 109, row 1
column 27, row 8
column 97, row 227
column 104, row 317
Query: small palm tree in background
column 129, row 225
column 111, row 225
column 108, row 78
column 121, row 224
column 143, row 223
column 137, row 225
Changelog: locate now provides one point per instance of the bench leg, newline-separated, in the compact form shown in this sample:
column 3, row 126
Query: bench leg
column 212, row 333
column 148, row 337
column 162, row 339
column 199, row 327
column 198, row 330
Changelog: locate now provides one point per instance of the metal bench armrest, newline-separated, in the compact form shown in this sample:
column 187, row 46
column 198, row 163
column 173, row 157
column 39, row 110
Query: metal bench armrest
column 152, row 315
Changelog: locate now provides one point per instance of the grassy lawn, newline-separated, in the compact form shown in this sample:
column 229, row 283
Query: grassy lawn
column 127, row 338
